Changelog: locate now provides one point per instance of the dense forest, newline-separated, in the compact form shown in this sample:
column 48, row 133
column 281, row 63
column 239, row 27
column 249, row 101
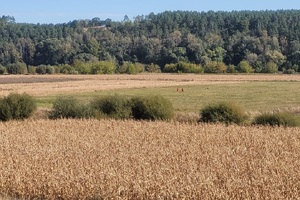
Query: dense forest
column 172, row 41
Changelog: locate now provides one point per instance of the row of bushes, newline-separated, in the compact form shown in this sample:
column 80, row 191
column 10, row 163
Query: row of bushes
column 231, row 113
column 117, row 107
column 21, row 106
column 110, row 67
column 78, row 67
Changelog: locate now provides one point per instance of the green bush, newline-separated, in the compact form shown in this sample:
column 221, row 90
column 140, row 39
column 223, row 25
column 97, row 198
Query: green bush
column 44, row 69
column 152, row 68
column 183, row 67
column 2, row 69
column 69, row 107
column 102, row 67
column 224, row 112
column 16, row 106
column 114, row 106
column 151, row 108
column 131, row 68
column 215, row 67
column 277, row 119
column 245, row 67
column 16, row 68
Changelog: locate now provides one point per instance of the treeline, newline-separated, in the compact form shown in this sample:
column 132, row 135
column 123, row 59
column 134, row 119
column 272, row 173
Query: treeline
column 179, row 41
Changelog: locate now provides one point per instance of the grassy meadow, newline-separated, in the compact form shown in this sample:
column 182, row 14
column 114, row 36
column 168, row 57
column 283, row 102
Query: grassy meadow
column 126, row 159
column 258, row 95
column 254, row 96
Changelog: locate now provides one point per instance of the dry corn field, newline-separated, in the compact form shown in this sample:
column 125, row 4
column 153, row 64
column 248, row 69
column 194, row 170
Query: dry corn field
column 107, row 159
column 43, row 85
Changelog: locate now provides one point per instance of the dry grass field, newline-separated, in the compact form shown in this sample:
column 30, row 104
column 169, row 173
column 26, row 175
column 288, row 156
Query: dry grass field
column 107, row 159
column 43, row 85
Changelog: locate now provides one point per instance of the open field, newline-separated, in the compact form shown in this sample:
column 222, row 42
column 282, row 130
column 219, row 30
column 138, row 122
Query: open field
column 107, row 159
column 254, row 92
column 42, row 85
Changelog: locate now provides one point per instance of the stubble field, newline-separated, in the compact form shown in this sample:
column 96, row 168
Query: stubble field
column 108, row 159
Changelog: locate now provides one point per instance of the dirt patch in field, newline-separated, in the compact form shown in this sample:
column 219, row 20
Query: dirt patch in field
column 43, row 85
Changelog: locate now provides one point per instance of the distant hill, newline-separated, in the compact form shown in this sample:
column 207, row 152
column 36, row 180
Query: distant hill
column 255, row 38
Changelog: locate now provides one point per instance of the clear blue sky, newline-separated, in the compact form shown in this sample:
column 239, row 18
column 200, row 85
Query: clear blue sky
column 61, row 11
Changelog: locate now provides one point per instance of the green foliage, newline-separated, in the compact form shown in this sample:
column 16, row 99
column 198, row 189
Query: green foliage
column 2, row 69
column 131, row 68
column 231, row 69
column 65, row 69
column 183, row 67
column 81, row 67
column 271, row 67
column 215, row 67
column 69, row 107
column 224, row 112
column 44, row 69
column 164, row 38
column 16, row 68
column 31, row 70
column 16, row 106
column 245, row 67
column 289, row 71
column 103, row 67
column 152, row 68
column 152, row 108
column 285, row 119
column 170, row 68
column 115, row 106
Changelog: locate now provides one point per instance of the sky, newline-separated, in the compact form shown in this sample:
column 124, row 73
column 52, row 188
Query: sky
column 64, row 11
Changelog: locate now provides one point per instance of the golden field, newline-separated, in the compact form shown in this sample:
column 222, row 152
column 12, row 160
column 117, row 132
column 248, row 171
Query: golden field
column 43, row 85
column 108, row 159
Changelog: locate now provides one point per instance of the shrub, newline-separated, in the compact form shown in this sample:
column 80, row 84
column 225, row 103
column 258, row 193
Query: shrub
column 113, row 106
column 152, row 108
column 131, row 68
column 152, row 68
column 289, row 71
column 277, row 119
column 183, row 67
column 245, row 67
column 103, row 67
column 69, row 107
column 16, row 68
column 231, row 69
column 270, row 67
column 16, row 106
column 44, row 69
column 224, row 112
column 170, row 68
column 215, row 67
column 31, row 70
column 2, row 69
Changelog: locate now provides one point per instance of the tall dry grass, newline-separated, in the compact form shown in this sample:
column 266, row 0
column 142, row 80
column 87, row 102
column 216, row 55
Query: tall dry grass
column 90, row 159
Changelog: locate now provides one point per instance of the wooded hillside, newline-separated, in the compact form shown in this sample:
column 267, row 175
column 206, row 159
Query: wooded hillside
column 216, row 42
